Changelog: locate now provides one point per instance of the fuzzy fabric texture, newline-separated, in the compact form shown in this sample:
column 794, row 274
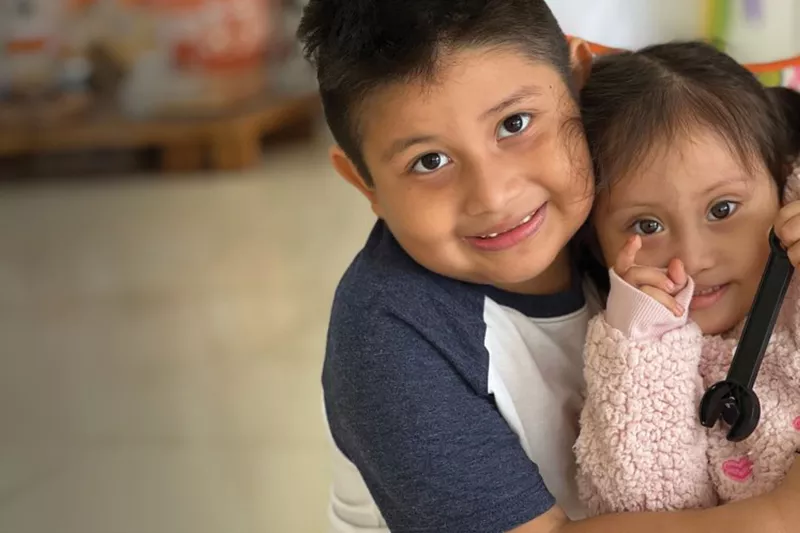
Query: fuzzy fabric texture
column 641, row 445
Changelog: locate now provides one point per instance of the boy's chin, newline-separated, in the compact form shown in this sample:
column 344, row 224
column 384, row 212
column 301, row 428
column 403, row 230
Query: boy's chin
column 527, row 269
column 516, row 277
column 528, row 278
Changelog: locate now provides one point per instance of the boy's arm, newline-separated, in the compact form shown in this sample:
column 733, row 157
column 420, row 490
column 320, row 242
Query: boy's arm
column 436, row 455
column 641, row 446
column 776, row 512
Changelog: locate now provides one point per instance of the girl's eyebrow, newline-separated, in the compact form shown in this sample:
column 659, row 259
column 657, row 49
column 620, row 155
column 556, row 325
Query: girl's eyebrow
column 636, row 203
column 627, row 209
column 726, row 182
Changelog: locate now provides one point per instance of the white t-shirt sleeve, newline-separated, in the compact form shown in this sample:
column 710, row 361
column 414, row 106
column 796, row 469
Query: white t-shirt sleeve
column 351, row 508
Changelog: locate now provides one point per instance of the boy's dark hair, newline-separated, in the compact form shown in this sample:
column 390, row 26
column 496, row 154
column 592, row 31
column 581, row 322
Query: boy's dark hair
column 360, row 45
column 636, row 101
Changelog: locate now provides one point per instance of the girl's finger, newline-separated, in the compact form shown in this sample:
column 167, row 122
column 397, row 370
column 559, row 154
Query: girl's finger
column 677, row 273
column 787, row 212
column 789, row 232
column 794, row 255
column 641, row 276
column 664, row 299
column 627, row 256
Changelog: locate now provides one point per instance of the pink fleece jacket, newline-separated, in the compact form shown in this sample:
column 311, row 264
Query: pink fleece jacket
column 641, row 446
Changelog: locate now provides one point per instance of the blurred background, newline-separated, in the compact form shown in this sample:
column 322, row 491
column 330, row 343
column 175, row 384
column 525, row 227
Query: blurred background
column 171, row 235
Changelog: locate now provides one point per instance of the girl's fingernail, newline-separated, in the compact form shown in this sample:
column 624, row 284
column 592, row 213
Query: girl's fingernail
column 679, row 310
column 669, row 286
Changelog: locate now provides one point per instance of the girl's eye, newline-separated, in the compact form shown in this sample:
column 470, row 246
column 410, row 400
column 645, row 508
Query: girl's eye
column 722, row 210
column 430, row 163
column 514, row 125
column 647, row 227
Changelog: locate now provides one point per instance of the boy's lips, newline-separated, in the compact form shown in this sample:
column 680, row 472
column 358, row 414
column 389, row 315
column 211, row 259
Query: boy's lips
column 509, row 234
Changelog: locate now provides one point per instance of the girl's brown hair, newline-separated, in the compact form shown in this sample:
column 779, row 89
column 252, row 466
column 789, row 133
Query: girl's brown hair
column 637, row 102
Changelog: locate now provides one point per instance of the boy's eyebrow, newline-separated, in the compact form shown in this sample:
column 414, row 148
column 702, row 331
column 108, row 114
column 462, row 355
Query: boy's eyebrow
column 523, row 93
column 401, row 145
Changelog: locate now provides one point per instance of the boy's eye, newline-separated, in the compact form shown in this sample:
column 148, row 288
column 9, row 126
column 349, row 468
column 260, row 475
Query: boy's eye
column 647, row 227
column 430, row 162
column 722, row 210
column 513, row 125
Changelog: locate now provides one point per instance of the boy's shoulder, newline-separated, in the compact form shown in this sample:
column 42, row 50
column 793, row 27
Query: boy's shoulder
column 385, row 297
column 391, row 312
column 383, row 277
column 384, row 282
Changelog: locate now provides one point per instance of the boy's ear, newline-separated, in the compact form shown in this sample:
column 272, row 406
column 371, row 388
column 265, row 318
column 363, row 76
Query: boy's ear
column 580, row 56
column 346, row 169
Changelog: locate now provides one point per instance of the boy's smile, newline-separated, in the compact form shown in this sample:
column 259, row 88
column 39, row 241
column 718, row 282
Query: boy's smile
column 506, row 235
column 482, row 173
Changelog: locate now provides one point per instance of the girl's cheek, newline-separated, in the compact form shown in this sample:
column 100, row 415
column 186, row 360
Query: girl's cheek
column 656, row 252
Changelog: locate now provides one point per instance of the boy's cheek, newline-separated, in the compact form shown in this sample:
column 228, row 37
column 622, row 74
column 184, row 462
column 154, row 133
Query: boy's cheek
column 424, row 218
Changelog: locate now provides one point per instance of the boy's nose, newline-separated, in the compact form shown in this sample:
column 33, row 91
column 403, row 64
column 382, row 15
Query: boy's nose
column 490, row 189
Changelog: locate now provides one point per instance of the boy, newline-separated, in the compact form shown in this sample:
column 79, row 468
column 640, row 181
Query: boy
column 452, row 376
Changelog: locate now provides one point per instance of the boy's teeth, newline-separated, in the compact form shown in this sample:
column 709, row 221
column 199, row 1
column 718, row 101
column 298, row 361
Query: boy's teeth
column 523, row 221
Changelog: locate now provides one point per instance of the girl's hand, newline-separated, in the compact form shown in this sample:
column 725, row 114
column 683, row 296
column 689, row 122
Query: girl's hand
column 657, row 283
column 787, row 229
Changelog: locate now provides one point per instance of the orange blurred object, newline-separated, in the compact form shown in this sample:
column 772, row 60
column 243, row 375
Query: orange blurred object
column 217, row 35
column 21, row 46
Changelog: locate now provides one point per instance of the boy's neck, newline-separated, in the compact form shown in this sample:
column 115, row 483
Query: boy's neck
column 556, row 278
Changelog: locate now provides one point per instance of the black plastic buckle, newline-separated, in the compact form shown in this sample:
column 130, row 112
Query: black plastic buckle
column 734, row 400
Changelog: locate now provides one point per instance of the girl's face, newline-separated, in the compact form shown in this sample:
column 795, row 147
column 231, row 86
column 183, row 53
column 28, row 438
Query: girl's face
column 696, row 202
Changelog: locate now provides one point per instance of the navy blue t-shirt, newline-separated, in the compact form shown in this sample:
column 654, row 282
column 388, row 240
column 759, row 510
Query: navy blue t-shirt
column 457, row 403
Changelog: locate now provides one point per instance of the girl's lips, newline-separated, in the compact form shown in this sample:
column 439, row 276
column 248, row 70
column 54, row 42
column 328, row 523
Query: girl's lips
column 705, row 298
column 503, row 240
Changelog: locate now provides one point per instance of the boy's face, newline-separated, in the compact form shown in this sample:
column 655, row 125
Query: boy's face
column 482, row 175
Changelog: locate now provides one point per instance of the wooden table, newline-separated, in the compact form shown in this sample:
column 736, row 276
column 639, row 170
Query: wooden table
column 223, row 141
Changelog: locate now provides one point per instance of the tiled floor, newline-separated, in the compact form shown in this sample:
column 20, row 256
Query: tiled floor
column 160, row 348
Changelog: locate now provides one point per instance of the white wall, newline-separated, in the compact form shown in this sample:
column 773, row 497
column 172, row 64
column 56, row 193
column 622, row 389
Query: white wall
column 637, row 23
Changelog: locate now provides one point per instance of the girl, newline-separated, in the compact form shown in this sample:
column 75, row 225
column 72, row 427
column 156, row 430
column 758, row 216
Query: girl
column 693, row 158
